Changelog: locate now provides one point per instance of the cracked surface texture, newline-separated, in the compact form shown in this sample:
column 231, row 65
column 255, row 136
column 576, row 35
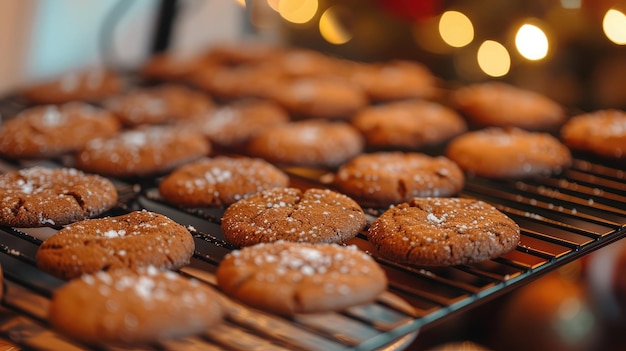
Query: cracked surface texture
column 314, row 216
column 443, row 232
column 289, row 278
column 134, row 240
column 39, row 196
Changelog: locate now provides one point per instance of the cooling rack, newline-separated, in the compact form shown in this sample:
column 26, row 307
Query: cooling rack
column 562, row 218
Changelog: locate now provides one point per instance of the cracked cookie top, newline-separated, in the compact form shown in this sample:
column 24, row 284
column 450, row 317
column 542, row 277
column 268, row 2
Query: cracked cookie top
column 382, row 179
column 288, row 278
column 443, row 232
column 291, row 214
column 39, row 196
column 134, row 240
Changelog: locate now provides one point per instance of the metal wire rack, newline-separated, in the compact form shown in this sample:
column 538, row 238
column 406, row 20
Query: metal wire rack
column 562, row 218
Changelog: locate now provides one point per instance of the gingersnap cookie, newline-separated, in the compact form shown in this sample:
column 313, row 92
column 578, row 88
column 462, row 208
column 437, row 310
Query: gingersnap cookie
column 314, row 143
column 244, row 52
column 300, row 63
column 133, row 308
column 325, row 98
column 81, row 85
column 312, row 215
column 39, row 197
column 220, row 181
column 169, row 67
column 601, row 132
column 443, row 232
column 142, row 152
column 508, row 153
column 394, row 80
column 231, row 126
column 409, row 124
column 289, row 278
column 162, row 104
column 228, row 83
column 497, row 104
column 50, row 130
column 134, row 240
column 385, row 178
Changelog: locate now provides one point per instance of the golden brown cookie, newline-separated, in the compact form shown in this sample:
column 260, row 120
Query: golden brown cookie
column 312, row 215
column 39, row 197
column 81, row 85
column 313, row 143
column 409, row 124
column 289, row 278
column 496, row 104
column 169, row 67
column 142, row 152
column 299, row 63
column 443, row 232
column 386, row 178
column 320, row 97
column 134, row 240
column 244, row 52
column 50, row 130
column 601, row 132
column 508, row 153
column 231, row 126
column 162, row 104
column 138, row 309
column 220, row 181
column 228, row 83
column 394, row 80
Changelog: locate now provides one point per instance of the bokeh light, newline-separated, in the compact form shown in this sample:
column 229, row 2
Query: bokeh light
column 493, row 58
column 297, row 11
column 456, row 29
column 614, row 26
column 332, row 28
column 531, row 42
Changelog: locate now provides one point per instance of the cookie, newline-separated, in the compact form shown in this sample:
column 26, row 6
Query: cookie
column 231, row 126
column 289, row 278
column 40, row 197
column 142, row 152
column 300, row 63
column 386, row 178
column 409, row 124
column 127, row 308
column 508, row 153
column 220, row 181
column 134, row 240
column 243, row 52
column 443, row 232
column 312, row 215
column 162, row 104
column 169, row 67
column 601, row 132
column 228, row 83
column 394, row 80
column 81, row 85
column 314, row 143
column 496, row 104
column 51, row 131
column 320, row 97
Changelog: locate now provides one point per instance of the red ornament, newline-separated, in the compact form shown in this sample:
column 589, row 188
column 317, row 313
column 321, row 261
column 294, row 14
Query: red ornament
column 410, row 10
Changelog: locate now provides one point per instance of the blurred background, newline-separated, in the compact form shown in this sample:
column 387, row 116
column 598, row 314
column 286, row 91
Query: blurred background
column 570, row 50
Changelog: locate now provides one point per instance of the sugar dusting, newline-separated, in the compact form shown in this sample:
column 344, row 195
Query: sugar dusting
column 291, row 262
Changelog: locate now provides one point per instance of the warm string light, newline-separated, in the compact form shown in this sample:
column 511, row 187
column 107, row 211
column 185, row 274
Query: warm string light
column 614, row 26
column 455, row 29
